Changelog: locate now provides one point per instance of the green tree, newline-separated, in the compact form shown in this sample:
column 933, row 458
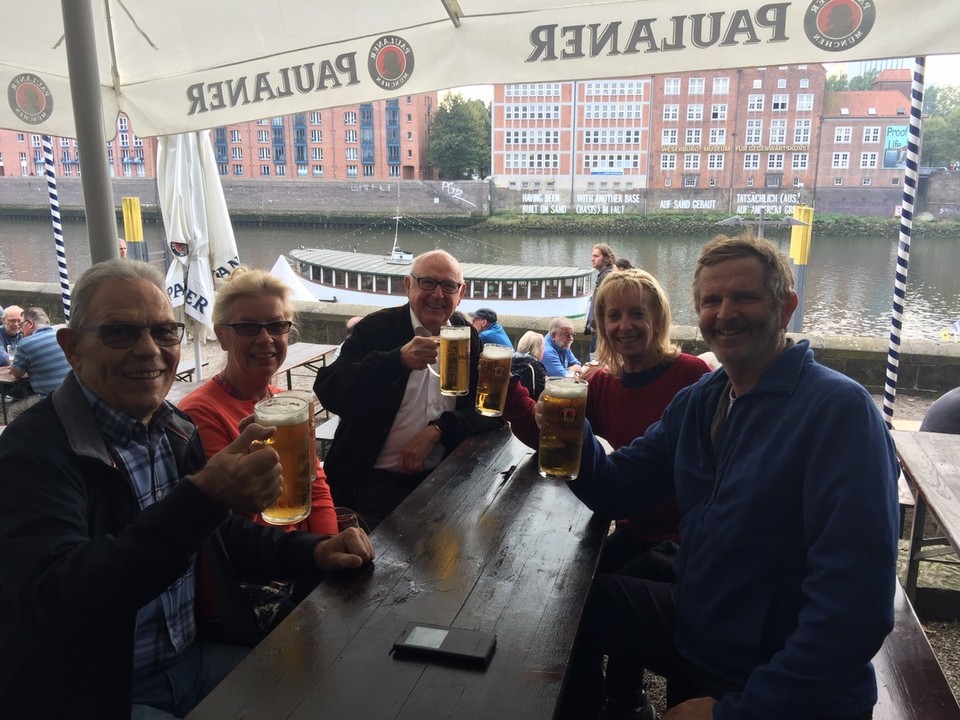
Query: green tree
column 940, row 143
column 837, row 83
column 941, row 101
column 865, row 81
column 460, row 137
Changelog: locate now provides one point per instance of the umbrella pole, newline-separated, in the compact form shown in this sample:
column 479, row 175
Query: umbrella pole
column 910, row 175
column 51, row 175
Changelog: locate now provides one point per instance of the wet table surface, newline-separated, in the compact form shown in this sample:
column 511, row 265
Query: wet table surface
column 484, row 543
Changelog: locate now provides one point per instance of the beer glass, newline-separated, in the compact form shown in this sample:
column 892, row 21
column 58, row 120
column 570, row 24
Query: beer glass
column 290, row 415
column 494, row 377
column 561, row 431
column 311, row 400
column 454, row 360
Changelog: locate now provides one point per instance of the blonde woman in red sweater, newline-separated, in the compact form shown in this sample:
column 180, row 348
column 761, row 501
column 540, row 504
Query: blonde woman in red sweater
column 252, row 319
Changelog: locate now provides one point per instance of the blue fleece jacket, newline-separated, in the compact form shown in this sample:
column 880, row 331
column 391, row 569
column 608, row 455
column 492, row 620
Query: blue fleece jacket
column 786, row 569
column 496, row 334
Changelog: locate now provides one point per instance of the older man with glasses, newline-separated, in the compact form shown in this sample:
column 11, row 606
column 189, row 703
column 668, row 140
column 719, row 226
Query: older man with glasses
column 39, row 357
column 11, row 331
column 558, row 358
column 122, row 544
column 395, row 426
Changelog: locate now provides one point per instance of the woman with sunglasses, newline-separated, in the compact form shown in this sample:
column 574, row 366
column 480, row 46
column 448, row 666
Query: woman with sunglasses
column 252, row 319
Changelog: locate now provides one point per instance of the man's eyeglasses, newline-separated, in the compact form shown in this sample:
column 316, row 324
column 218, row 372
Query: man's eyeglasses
column 429, row 284
column 252, row 329
column 122, row 336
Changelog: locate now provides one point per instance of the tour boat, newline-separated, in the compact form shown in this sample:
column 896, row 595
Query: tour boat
column 363, row 279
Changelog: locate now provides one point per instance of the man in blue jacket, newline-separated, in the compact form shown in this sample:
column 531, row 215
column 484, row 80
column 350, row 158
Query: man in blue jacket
column 484, row 321
column 786, row 480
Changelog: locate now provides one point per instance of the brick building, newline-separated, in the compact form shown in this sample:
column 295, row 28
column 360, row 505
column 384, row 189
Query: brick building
column 381, row 140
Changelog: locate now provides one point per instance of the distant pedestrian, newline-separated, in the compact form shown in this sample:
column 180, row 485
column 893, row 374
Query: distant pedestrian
column 604, row 261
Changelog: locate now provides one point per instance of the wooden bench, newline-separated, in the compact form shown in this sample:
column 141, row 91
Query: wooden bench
column 910, row 682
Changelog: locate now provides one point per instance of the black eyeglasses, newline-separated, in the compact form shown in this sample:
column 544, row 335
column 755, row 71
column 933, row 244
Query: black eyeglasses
column 122, row 336
column 430, row 284
column 252, row 329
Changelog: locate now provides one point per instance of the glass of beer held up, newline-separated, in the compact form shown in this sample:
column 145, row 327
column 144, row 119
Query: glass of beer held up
column 311, row 400
column 494, row 378
column 454, row 360
column 291, row 416
column 561, row 430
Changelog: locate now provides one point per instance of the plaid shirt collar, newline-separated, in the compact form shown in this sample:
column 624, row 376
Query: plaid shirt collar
column 119, row 427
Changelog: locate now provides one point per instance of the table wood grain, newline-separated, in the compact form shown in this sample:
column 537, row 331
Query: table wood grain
column 484, row 543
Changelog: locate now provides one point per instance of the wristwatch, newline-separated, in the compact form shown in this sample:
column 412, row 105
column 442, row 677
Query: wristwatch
column 436, row 424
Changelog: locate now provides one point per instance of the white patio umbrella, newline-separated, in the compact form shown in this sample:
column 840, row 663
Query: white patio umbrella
column 182, row 65
column 197, row 225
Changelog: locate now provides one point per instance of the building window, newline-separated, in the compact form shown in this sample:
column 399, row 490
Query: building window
column 895, row 181
column 867, row 181
column 19, row 137
column 757, row 83
column 352, row 171
column 718, row 136
column 721, row 85
column 395, row 172
column 773, row 181
column 316, row 119
column 800, row 161
column 871, row 134
column 805, row 102
column 318, row 170
column 754, row 134
column 755, row 103
column 316, row 136
column 751, row 161
column 236, row 153
column 265, row 153
column 715, row 161
column 668, row 136
column 749, row 182
column 778, row 132
column 775, row 161
column 409, row 135
column 690, row 181
column 238, row 170
column 316, row 153
column 691, row 161
column 671, row 112
column 842, row 134
column 264, row 171
column 350, row 154
column 668, row 161
column 235, row 136
column 696, row 86
column 410, row 154
column 838, row 181
column 263, row 136
column 671, row 86
column 780, row 103
column 693, row 136
column 122, row 123
column 349, row 118
column 868, row 160
column 841, row 160
column 409, row 118
column 350, row 136
column 695, row 112
column 667, row 182
column 718, row 111
column 804, row 83
column 801, row 132
column 781, row 83
column 223, row 169
column 281, row 170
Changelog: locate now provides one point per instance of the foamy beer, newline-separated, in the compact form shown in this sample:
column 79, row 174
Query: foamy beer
column 311, row 400
column 454, row 359
column 291, row 416
column 561, row 430
column 494, row 377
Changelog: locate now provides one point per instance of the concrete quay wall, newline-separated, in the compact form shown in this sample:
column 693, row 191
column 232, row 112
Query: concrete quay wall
column 925, row 366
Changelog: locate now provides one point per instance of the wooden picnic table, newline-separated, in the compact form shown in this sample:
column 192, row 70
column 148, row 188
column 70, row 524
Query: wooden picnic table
column 931, row 463
column 303, row 354
column 186, row 368
column 484, row 543
column 7, row 383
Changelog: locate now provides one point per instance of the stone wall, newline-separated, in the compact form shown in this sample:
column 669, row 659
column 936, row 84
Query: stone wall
column 925, row 366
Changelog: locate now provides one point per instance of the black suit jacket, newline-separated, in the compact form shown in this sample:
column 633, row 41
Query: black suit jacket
column 365, row 387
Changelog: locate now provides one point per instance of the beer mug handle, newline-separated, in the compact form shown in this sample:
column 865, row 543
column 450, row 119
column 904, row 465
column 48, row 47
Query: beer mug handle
column 421, row 331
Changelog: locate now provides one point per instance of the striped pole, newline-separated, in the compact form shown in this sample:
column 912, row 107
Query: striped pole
column 57, row 226
column 903, row 250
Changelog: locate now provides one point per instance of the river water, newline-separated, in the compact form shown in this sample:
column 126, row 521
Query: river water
column 849, row 281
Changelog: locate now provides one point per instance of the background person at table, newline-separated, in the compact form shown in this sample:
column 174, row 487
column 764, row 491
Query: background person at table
column 349, row 325
column 484, row 321
column 603, row 259
column 252, row 320
column 785, row 576
column 558, row 358
column 112, row 524
column 10, row 332
column 395, row 426
column 526, row 363
column 943, row 416
column 40, row 356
